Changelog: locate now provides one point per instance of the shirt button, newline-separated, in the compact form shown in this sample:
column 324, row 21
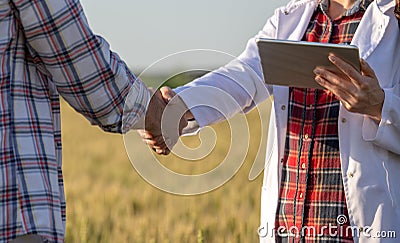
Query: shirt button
column 303, row 166
column 283, row 107
column 351, row 175
column 301, row 195
column 306, row 137
column 344, row 120
column 286, row 12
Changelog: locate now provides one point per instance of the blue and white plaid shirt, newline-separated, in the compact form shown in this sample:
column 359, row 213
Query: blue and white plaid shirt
column 47, row 49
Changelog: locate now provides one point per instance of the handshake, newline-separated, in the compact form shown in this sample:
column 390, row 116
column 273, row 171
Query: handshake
column 167, row 115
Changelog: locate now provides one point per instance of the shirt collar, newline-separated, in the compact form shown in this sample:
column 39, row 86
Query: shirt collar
column 357, row 6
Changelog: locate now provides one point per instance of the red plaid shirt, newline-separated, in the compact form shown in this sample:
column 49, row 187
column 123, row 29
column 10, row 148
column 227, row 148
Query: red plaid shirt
column 312, row 198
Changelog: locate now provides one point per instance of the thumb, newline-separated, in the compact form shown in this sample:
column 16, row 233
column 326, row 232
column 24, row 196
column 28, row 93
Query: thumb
column 167, row 93
column 366, row 69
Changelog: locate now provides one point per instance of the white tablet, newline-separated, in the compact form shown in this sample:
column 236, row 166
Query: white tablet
column 291, row 63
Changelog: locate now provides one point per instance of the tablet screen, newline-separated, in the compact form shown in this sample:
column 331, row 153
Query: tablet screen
column 291, row 63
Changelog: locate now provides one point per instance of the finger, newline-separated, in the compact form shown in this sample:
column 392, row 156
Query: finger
column 346, row 68
column 151, row 143
column 166, row 151
column 155, row 92
column 159, row 95
column 366, row 69
column 145, row 134
column 341, row 93
column 158, row 151
column 155, row 142
column 162, row 151
column 334, row 79
column 167, row 93
column 141, row 133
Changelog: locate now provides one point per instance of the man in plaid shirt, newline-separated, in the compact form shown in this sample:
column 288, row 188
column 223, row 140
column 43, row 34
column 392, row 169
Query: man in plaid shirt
column 47, row 49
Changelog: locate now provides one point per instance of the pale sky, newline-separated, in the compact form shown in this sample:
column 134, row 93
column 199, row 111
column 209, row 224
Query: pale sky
column 142, row 32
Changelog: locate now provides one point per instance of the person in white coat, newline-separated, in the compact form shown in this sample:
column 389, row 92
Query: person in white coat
column 367, row 124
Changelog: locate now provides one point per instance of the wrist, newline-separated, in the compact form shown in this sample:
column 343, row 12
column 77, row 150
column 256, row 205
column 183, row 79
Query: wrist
column 188, row 116
column 376, row 110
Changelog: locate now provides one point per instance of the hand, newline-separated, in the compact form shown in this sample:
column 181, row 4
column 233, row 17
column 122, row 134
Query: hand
column 171, row 123
column 358, row 92
column 154, row 114
column 168, row 94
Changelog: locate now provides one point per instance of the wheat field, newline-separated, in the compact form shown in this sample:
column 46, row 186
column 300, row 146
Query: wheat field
column 108, row 201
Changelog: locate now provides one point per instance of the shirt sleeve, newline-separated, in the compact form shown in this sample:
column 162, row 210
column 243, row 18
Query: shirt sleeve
column 88, row 75
column 236, row 87
column 386, row 134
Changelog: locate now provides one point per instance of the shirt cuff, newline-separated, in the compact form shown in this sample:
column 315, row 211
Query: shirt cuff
column 378, row 132
column 193, row 128
column 192, row 101
column 135, row 107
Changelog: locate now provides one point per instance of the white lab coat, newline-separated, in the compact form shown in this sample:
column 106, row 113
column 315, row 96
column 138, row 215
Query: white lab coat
column 370, row 152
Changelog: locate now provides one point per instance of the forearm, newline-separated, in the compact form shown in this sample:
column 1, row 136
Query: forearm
column 236, row 87
column 94, row 80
